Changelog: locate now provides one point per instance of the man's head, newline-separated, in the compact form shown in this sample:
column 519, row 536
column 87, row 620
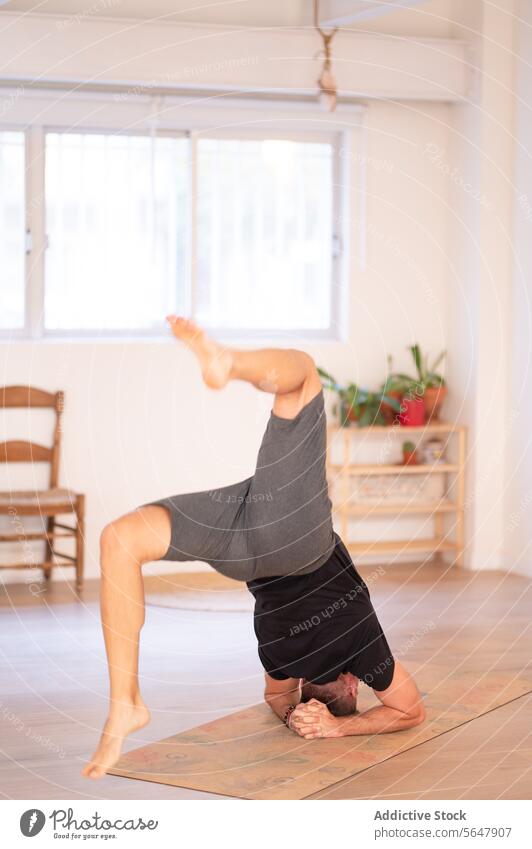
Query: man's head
column 340, row 695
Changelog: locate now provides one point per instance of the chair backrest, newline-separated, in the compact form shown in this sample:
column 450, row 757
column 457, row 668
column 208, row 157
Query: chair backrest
column 17, row 451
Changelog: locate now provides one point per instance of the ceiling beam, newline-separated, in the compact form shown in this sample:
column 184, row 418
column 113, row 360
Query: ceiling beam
column 338, row 13
column 144, row 56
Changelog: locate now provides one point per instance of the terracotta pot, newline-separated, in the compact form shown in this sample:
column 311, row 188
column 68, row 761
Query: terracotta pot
column 412, row 412
column 409, row 458
column 433, row 398
column 388, row 412
column 348, row 413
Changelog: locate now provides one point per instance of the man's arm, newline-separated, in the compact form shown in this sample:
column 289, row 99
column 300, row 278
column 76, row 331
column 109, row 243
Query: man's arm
column 281, row 694
column 401, row 708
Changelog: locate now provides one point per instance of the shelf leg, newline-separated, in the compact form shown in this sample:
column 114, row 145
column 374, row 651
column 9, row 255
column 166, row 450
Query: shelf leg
column 460, row 498
column 438, row 535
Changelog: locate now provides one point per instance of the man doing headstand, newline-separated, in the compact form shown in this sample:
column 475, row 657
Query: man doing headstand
column 317, row 631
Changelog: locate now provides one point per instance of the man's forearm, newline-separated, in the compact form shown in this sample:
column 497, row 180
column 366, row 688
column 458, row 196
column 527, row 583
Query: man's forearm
column 280, row 702
column 379, row 720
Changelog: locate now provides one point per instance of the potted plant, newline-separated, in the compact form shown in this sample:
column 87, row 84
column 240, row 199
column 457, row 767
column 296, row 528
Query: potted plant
column 405, row 390
column 395, row 386
column 409, row 454
column 433, row 386
column 412, row 407
column 357, row 404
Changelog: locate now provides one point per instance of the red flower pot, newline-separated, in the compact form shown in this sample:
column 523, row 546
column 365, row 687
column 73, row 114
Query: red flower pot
column 389, row 412
column 412, row 412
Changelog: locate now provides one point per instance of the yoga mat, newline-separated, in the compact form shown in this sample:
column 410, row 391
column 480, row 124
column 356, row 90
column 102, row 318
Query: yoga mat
column 251, row 755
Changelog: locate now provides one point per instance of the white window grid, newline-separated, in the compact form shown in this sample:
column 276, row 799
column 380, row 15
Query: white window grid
column 36, row 237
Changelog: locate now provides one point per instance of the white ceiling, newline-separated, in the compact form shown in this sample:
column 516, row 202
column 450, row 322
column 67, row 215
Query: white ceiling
column 430, row 18
column 245, row 12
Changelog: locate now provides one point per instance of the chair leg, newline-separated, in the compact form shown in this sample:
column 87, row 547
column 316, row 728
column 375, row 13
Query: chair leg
column 50, row 525
column 80, row 539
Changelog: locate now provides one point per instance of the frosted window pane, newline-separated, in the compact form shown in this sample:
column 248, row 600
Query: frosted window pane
column 265, row 218
column 116, row 219
column 12, row 256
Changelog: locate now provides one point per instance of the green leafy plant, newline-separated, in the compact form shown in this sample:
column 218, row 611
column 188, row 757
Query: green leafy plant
column 409, row 453
column 357, row 403
column 398, row 382
column 428, row 375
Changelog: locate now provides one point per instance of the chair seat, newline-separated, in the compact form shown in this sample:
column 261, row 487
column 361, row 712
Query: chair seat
column 46, row 502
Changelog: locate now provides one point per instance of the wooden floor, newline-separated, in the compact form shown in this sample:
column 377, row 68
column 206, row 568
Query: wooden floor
column 198, row 665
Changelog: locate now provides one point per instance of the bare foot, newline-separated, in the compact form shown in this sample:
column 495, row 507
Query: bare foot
column 121, row 721
column 215, row 361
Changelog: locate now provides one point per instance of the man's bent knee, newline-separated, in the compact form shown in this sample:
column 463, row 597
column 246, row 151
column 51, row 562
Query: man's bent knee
column 117, row 537
column 142, row 535
column 312, row 382
column 307, row 360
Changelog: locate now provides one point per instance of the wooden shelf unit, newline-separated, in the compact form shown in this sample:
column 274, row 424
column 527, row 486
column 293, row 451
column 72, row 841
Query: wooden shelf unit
column 341, row 474
column 368, row 469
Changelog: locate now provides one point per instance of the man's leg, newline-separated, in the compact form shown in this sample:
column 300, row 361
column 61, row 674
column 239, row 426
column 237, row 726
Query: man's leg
column 288, row 374
column 126, row 544
column 144, row 535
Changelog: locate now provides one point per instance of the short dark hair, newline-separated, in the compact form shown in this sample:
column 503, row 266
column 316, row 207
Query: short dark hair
column 338, row 705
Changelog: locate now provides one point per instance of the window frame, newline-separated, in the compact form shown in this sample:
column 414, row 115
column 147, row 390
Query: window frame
column 35, row 216
column 21, row 332
column 109, row 333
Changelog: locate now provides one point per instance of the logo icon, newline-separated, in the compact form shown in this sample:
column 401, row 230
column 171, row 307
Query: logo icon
column 32, row 822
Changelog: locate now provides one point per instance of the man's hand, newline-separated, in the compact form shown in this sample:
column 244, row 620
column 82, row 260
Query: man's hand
column 314, row 719
column 401, row 708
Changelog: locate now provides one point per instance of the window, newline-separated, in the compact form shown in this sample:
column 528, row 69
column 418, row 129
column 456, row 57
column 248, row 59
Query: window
column 233, row 228
column 116, row 221
column 264, row 236
column 12, row 227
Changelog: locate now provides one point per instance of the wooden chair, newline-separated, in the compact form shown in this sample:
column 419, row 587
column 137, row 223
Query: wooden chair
column 48, row 503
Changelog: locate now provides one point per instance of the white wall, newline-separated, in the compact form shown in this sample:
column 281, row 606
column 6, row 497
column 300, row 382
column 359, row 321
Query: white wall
column 138, row 422
column 481, row 159
column 518, row 515
column 446, row 261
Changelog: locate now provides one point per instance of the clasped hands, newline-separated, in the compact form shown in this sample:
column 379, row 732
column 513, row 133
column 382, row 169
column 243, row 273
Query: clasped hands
column 313, row 719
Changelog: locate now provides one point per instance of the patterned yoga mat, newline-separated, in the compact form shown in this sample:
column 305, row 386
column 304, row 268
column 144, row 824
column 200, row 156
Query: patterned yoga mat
column 251, row 755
